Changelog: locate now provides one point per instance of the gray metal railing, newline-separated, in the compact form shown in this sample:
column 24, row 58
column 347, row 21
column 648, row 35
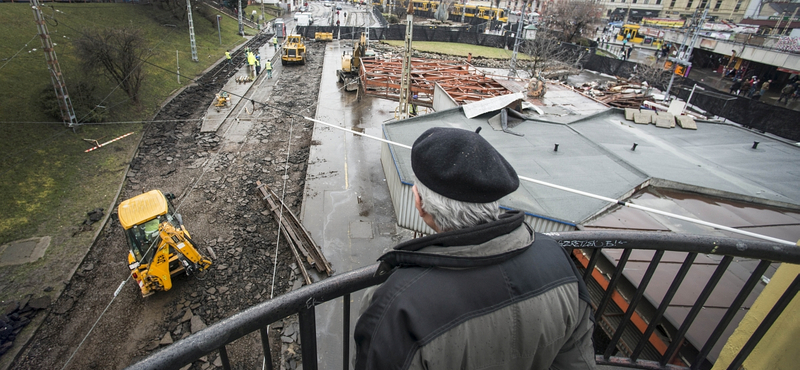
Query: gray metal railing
column 609, row 316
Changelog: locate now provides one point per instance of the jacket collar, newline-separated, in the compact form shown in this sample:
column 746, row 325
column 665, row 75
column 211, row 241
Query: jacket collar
column 464, row 248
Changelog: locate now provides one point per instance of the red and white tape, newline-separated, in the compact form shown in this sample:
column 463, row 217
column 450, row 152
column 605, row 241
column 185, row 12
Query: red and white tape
column 107, row 142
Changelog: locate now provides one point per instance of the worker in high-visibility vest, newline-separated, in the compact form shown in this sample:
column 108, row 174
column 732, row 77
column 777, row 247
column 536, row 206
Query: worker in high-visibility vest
column 251, row 60
column 268, row 68
column 228, row 56
column 275, row 43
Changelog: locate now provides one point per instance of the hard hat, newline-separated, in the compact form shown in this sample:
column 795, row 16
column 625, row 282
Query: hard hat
column 258, row 56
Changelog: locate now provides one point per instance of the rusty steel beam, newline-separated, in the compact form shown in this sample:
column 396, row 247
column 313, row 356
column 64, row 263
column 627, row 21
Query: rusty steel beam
column 381, row 78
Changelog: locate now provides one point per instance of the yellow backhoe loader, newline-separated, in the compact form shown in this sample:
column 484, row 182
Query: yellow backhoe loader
column 160, row 246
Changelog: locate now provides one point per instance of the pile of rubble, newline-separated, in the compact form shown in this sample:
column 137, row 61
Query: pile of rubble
column 661, row 119
column 621, row 93
column 15, row 315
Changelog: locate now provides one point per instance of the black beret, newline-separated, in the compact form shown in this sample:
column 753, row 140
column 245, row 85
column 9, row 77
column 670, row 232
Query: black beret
column 462, row 165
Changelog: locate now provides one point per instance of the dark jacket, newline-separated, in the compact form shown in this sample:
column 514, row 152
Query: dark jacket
column 493, row 296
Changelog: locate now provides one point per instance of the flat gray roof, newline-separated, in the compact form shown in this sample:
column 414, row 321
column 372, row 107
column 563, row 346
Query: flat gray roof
column 594, row 155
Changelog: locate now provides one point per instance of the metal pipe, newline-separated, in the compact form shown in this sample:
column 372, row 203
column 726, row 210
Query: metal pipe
column 308, row 335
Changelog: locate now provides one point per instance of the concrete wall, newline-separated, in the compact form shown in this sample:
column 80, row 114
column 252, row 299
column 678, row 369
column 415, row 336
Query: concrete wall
column 778, row 349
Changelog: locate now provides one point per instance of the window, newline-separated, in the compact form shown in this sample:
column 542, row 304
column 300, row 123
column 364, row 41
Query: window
column 658, row 2
column 689, row 4
column 718, row 4
column 703, row 4
column 738, row 5
column 634, row 1
column 672, row 4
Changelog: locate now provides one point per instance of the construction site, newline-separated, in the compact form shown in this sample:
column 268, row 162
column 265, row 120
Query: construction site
column 289, row 185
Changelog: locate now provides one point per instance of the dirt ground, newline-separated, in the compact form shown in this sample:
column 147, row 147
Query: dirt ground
column 214, row 179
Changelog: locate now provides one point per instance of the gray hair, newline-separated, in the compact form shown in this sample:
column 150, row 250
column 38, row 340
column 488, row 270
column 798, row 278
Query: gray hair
column 449, row 214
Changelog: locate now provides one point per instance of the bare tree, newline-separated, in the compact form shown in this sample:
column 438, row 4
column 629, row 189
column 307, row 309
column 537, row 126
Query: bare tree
column 547, row 53
column 571, row 17
column 119, row 53
column 655, row 76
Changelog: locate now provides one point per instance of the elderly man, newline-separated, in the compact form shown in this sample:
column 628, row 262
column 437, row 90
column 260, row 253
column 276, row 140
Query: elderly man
column 485, row 291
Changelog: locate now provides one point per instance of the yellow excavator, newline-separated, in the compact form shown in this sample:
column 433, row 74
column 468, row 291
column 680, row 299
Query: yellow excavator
column 160, row 246
column 351, row 64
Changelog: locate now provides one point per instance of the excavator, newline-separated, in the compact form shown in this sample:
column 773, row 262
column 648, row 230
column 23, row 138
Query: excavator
column 351, row 63
column 160, row 246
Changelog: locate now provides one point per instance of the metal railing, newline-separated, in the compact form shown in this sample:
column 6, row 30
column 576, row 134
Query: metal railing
column 588, row 243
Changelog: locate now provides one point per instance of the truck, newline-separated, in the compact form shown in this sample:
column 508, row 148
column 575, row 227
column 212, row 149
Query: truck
column 304, row 20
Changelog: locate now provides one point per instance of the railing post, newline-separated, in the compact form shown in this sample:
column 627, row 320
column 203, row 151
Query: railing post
column 346, row 332
column 634, row 302
column 265, row 347
column 308, row 336
column 612, row 285
column 223, row 356
column 677, row 339
column 755, row 277
column 673, row 288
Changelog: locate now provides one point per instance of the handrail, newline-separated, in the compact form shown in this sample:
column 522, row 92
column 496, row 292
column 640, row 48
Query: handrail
column 303, row 301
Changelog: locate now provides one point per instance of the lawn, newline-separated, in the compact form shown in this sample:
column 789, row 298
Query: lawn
column 47, row 182
column 449, row 48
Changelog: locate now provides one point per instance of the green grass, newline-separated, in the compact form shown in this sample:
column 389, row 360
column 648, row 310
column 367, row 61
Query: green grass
column 462, row 50
column 47, row 182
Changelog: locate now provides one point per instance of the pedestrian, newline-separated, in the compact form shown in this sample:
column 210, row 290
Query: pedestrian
column 253, row 16
column 786, row 92
column 630, row 50
column 753, row 86
column 275, row 43
column 258, row 65
column 469, row 57
column 765, row 87
column 228, row 57
column 737, row 85
column 268, row 68
column 485, row 291
column 745, row 88
column 337, row 23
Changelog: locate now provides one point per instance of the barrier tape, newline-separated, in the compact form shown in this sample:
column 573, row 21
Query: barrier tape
column 107, row 142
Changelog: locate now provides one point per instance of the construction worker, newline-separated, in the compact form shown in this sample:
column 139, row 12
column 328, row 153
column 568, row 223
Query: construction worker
column 228, row 56
column 251, row 60
column 268, row 68
column 258, row 65
column 275, row 43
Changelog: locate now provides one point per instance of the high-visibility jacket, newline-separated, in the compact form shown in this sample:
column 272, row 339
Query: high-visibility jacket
column 251, row 59
column 268, row 66
column 227, row 55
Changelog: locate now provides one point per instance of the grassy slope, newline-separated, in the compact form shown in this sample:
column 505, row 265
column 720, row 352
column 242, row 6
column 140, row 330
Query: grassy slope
column 457, row 49
column 47, row 182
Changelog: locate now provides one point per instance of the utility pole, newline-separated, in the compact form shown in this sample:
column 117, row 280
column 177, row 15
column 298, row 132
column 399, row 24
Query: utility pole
column 685, row 51
column 241, row 25
column 59, row 84
column 512, row 69
column 405, row 80
column 191, row 31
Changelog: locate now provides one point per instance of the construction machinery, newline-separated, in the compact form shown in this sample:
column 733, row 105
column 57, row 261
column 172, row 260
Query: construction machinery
column 294, row 51
column 351, row 64
column 160, row 246
column 222, row 100
column 323, row 36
